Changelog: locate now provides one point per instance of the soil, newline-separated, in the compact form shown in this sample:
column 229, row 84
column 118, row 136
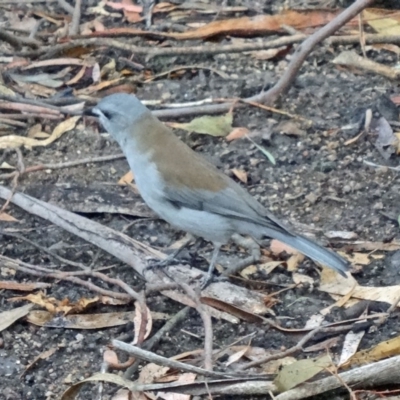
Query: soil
column 318, row 183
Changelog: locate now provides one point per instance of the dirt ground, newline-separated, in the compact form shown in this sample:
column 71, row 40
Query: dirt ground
column 318, row 183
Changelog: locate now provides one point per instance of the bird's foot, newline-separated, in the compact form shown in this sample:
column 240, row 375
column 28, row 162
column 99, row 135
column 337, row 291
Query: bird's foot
column 208, row 279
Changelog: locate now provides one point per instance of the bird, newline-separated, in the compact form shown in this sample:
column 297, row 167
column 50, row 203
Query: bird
column 190, row 193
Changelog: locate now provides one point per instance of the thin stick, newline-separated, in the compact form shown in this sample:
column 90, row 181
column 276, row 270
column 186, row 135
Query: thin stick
column 167, row 362
column 154, row 340
column 76, row 18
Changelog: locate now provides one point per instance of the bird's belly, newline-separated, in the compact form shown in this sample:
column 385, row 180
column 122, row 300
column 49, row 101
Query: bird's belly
column 209, row 226
column 213, row 227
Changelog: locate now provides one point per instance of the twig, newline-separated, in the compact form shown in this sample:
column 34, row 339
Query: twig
column 66, row 6
column 74, row 163
column 15, row 176
column 306, row 48
column 36, row 27
column 134, row 65
column 352, row 59
column 183, row 67
column 46, row 272
column 18, row 42
column 68, row 164
column 30, row 115
column 76, row 18
column 153, row 341
column 18, row 103
column 44, row 249
column 381, row 373
column 46, row 52
column 12, row 122
column 129, row 250
column 370, row 38
column 159, row 360
column 206, row 318
column 10, row 39
column 297, row 347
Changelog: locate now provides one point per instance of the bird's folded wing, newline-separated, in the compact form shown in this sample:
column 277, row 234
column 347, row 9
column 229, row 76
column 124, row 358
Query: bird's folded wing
column 232, row 202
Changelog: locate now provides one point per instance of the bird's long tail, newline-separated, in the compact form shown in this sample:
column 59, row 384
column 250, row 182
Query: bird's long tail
column 311, row 249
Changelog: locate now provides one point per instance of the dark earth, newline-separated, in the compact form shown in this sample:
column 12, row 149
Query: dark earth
column 318, row 183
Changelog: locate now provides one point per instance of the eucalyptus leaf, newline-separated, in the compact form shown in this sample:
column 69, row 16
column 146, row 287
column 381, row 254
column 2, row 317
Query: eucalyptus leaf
column 219, row 125
column 300, row 371
column 266, row 153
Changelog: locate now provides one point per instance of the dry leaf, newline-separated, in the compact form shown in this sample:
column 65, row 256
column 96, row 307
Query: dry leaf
column 294, row 261
column 110, row 357
column 240, row 174
column 335, row 284
column 151, row 372
column 236, row 356
column 301, row 278
column 341, row 235
column 351, row 343
column 385, row 25
column 260, row 25
column 184, row 378
column 385, row 349
column 7, row 318
column 23, row 286
column 300, row 371
column 42, row 356
column 356, row 258
column 137, row 320
column 237, row 133
column 54, row 305
column 126, row 179
column 36, row 132
column 76, row 321
column 6, row 165
column 278, row 247
column 7, row 217
column 11, row 141
column 266, row 54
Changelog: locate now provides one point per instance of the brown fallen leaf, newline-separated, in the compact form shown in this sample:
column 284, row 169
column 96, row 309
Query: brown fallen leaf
column 293, row 261
column 335, row 284
column 23, row 286
column 240, row 174
column 138, row 322
column 278, row 247
column 237, row 133
column 7, row 318
column 11, row 141
column 261, row 24
column 229, row 308
column 80, row 321
column 42, row 356
column 7, row 217
column 54, row 305
column 385, row 349
column 126, row 179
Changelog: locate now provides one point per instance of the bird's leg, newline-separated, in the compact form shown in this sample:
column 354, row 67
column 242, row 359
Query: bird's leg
column 209, row 277
column 255, row 254
column 172, row 256
column 167, row 261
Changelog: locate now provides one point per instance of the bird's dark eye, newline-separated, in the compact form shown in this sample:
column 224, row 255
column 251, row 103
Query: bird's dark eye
column 108, row 114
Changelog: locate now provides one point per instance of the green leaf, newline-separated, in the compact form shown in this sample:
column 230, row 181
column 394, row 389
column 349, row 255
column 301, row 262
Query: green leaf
column 210, row 125
column 266, row 153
